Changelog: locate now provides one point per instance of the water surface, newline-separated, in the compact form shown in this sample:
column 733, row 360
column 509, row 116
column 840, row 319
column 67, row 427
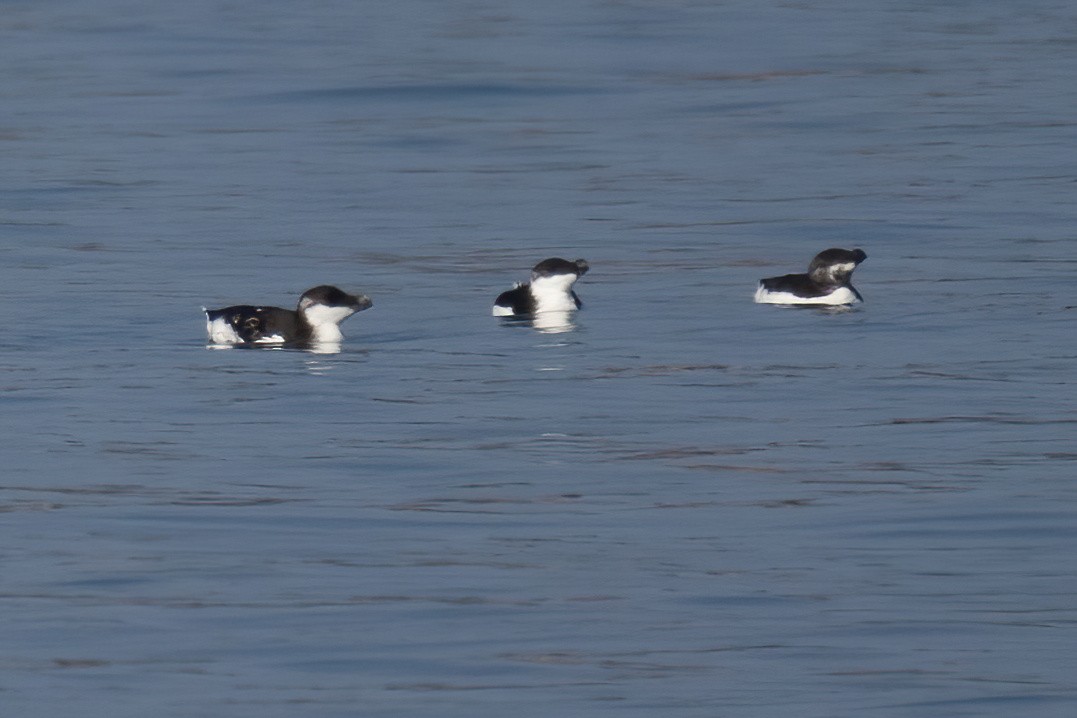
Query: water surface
column 686, row 505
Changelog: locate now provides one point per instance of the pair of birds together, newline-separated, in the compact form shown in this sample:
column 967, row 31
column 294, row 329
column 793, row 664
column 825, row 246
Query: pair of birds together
column 320, row 311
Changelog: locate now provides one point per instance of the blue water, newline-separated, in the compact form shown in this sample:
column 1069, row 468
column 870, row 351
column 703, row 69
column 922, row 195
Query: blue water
column 686, row 505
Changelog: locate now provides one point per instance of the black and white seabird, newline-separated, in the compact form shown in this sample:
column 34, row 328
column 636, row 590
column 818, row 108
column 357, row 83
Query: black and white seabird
column 550, row 289
column 828, row 281
column 316, row 319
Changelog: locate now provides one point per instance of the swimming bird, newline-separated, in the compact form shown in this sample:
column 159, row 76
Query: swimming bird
column 828, row 281
column 550, row 289
column 316, row 319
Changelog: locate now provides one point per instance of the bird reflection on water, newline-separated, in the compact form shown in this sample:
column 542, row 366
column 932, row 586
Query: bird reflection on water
column 552, row 322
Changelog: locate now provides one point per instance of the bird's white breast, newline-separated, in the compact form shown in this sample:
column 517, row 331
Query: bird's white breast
column 841, row 295
column 553, row 294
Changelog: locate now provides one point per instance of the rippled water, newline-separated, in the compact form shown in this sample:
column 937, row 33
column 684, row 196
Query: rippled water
column 686, row 505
